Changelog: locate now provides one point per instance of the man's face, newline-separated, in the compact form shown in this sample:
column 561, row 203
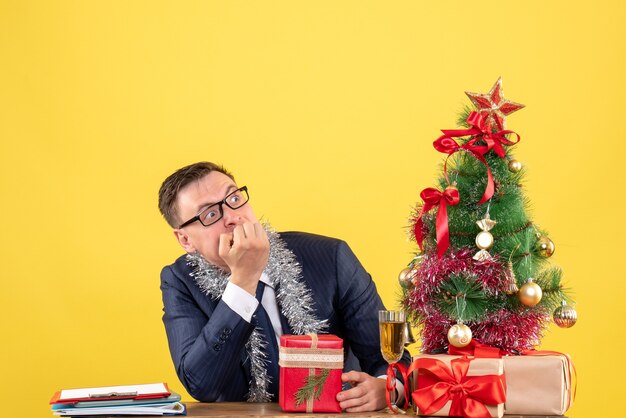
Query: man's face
column 195, row 197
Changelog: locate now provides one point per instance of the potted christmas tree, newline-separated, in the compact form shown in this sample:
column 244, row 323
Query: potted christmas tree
column 482, row 278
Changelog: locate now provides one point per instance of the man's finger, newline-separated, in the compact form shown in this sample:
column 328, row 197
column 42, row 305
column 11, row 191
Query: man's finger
column 352, row 398
column 352, row 403
column 356, row 392
column 238, row 235
column 353, row 377
column 249, row 230
column 225, row 244
column 259, row 231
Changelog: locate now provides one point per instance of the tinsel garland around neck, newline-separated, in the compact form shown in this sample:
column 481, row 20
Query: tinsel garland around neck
column 294, row 299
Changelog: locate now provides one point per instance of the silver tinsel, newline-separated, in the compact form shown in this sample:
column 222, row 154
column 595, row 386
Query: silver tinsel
column 292, row 295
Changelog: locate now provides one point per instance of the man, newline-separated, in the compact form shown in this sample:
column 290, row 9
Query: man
column 240, row 287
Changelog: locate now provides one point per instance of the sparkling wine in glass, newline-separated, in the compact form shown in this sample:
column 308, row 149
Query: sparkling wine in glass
column 392, row 339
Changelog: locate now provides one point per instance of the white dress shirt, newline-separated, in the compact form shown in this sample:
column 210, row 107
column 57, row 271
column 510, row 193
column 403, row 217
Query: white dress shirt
column 244, row 304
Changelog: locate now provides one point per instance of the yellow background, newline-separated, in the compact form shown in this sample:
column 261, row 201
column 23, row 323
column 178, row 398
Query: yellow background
column 327, row 111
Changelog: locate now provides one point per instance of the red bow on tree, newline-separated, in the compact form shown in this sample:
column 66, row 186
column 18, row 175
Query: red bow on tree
column 469, row 394
column 433, row 197
column 480, row 130
column 449, row 146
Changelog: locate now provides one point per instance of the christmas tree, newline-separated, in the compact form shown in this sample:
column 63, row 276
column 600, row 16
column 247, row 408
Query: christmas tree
column 483, row 268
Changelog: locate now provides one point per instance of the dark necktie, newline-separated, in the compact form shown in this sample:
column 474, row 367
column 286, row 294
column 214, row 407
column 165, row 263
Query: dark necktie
column 263, row 322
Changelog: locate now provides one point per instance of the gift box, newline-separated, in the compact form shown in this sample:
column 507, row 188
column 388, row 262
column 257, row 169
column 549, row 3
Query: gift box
column 538, row 384
column 445, row 385
column 310, row 373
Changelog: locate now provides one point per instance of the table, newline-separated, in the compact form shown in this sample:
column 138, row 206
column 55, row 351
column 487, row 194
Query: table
column 245, row 409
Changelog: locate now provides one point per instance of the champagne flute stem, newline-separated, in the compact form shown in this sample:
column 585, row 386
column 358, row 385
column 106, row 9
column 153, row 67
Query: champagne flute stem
column 392, row 396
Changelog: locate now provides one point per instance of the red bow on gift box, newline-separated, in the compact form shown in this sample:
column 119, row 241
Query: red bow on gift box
column 469, row 394
column 477, row 349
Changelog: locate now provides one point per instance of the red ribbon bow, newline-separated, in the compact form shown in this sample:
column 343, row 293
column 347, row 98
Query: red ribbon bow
column 433, row 197
column 482, row 130
column 469, row 394
column 449, row 146
column 479, row 130
column 477, row 349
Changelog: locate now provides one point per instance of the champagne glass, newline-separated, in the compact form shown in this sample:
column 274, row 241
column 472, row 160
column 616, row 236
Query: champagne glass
column 392, row 338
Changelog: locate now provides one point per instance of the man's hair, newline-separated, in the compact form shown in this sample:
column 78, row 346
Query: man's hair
column 168, row 193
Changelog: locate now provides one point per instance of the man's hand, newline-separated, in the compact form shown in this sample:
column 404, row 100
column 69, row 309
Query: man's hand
column 367, row 393
column 245, row 251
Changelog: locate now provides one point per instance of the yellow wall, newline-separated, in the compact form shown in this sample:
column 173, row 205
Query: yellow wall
column 327, row 111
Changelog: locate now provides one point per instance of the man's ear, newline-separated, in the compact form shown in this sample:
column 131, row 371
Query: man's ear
column 184, row 241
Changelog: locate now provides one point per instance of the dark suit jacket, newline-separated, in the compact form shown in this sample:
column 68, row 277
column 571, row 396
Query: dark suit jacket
column 207, row 338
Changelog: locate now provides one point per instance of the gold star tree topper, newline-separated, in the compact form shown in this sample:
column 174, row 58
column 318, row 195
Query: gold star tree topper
column 493, row 106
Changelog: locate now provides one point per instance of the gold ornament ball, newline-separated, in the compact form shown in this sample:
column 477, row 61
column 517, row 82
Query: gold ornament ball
column 459, row 335
column 452, row 187
column 515, row 166
column 545, row 246
column 565, row 316
column 414, row 278
column 415, row 265
column 530, row 294
column 405, row 278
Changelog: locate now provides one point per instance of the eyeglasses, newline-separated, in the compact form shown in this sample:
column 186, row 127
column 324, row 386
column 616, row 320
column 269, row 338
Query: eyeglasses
column 215, row 212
